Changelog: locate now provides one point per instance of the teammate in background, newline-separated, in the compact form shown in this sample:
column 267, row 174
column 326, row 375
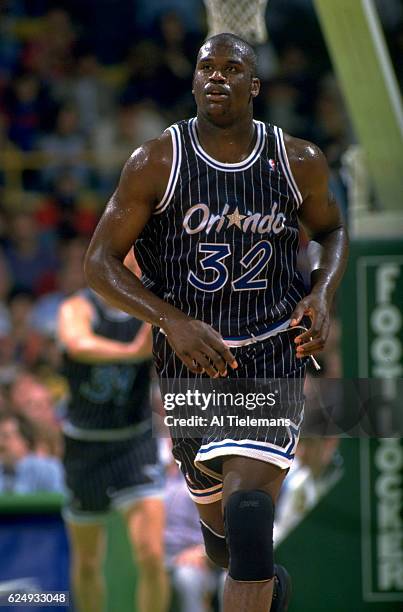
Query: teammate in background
column 213, row 207
column 110, row 456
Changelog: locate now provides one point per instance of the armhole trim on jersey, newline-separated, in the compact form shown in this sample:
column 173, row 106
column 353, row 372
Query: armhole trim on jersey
column 285, row 164
column 174, row 174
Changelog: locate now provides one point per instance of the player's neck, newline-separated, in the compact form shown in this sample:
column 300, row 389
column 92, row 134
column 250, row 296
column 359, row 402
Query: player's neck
column 227, row 144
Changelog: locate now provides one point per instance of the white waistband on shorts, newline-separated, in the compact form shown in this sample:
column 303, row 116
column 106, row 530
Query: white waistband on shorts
column 283, row 327
column 234, row 342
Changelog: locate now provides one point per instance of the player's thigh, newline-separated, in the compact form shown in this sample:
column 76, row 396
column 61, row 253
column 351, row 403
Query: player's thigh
column 88, row 543
column 244, row 473
column 212, row 516
column 145, row 521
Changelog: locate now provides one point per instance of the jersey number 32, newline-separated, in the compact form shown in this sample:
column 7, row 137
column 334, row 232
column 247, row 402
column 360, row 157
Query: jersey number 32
column 255, row 260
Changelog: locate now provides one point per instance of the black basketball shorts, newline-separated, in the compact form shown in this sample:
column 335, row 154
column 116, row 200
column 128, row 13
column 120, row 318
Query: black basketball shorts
column 101, row 476
column 201, row 458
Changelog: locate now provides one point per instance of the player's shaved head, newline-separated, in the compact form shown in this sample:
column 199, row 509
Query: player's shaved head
column 240, row 46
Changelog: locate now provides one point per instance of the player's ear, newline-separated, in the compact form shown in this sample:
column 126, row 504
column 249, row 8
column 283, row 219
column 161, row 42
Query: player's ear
column 255, row 87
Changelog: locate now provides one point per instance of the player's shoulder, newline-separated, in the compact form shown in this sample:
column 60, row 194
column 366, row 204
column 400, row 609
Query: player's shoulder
column 308, row 162
column 146, row 172
column 152, row 154
column 304, row 153
column 77, row 304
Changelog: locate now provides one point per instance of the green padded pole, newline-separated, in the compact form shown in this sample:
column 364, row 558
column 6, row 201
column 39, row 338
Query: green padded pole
column 361, row 59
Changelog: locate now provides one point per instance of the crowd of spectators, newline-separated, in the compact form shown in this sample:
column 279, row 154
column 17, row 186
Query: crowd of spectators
column 81, row 85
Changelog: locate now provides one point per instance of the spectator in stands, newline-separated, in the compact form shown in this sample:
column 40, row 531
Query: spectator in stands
column 65, row 149
column 24, row 104
column 114, row 140
column 26, row 343
column 177, row 46
column 150, row 77
column 31, row 398
column 31, row 259
column 333, row 133
column 74, row 251
column 3, row 399
column 50, row 53
column 68, row 210
column 90, row 93
column 282, row 105
column 4, row 143
column 7, row 362
column 9, row 44
column 4, row 216
column 21, row 469
column 5, row 284
column 190, row 11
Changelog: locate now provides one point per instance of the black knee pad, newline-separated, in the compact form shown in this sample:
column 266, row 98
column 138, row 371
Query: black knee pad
column 249, row 519
column 215, row 545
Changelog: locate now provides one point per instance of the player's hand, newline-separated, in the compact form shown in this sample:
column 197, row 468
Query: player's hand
column 316, row 307
column 199, row 346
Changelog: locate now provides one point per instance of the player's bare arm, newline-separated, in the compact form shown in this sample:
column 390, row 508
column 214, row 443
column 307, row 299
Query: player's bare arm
column 141, row 187
column 320, row 215
column 82, row 344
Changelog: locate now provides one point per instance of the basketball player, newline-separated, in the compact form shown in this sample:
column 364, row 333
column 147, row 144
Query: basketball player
column 110, row 455
column 213, row 207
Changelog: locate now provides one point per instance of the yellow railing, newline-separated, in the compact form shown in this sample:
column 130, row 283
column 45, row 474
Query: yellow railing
column 14, row 162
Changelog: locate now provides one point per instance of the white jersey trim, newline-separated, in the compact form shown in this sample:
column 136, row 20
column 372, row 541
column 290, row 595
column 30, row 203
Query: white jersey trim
column 174, row 174
column 285, row 164
column 214, row 163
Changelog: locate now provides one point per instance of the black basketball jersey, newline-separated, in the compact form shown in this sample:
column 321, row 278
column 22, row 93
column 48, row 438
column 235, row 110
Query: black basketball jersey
column 107, row 397
column 222, row 244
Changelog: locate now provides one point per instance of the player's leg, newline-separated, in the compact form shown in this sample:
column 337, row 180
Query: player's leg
column 145, row 521
column 212, row 526
column 206, row 492
column 84, row 514
column 138, row 495
column 87, row 550
column 253, row 477
column 250, row 491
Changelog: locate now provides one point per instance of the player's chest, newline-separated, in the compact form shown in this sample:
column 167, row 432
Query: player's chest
column 222, row 205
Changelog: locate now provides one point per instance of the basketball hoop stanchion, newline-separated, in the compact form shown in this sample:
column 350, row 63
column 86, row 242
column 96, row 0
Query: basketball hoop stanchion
column 245, row 18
